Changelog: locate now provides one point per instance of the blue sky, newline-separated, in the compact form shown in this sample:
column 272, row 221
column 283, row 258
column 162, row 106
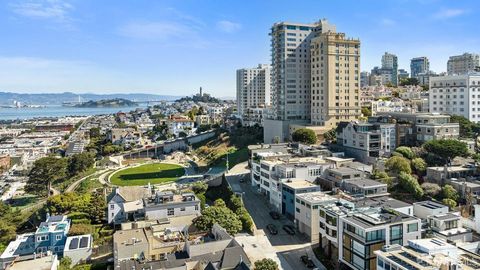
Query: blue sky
column 173, row 47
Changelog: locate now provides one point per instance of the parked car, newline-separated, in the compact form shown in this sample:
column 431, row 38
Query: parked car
column 275, row 215
column 289, row 229
column 272, row 229
column 307, row 261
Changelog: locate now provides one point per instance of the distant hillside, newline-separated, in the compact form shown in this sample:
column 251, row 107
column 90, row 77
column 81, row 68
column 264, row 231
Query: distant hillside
column 107, row 103
column 7, row 98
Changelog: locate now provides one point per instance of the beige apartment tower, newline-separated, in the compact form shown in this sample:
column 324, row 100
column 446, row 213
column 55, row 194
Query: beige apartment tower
column 335, row 79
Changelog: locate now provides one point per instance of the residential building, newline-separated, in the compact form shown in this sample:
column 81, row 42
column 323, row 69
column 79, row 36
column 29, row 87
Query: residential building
column 426, row 254
column 79, row 248
column 179, row 124
column 307, row 213
column 463, row 64
column 124, row 136
column 424, row 209
column 365, row 232
column 291, row 71
column 384, row 76
column 390, row 61
column 424, row 78
column 167, row 204
column 139, row 203
column 335, row 80
column 202, row 119
column 366, row 141
column 442, row 175
column 49, row 262
column 402, row 74
column 254, row 116
column 456, row 95
column 419, row 65
column 417, row 128
column 155, row 246
column 50, row 237
column 271, row 169
column 290, row 189
column 364, row 79
column 253, row 88
column 124, row 203
column 448, row 227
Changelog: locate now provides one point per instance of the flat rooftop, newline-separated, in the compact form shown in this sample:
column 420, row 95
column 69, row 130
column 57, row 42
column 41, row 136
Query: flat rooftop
column 315, row 197
column 43, row 263
column 430, row 204
column 365, row 182
column 382, row 202
column 296, row 183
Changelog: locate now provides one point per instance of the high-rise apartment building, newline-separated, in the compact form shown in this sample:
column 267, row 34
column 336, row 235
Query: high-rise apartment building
column 390, row 62
column 456, row 95
column 335, row 80
column 253, row 88
column 291, row 68
column 419, row 65
column 364, row 79
column 462, row 64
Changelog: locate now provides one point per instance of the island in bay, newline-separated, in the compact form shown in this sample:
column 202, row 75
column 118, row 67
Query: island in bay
column 107, row 103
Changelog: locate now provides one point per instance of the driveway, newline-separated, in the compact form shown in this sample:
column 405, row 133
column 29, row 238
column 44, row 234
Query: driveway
column 284, row 248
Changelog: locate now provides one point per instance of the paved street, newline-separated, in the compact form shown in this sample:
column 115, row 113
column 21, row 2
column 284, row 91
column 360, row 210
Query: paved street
column 283, row 248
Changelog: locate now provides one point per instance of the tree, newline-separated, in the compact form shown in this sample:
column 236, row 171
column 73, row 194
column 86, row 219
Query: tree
column 467, row 128
column 219, row 203
column 409, row 81
column 81, row 162
column 448, row 192
column 366, row 111
column 405, row 151
column 419, row 165
column 266, row 264
column 45, row 172
column 97, row 208
column 382, row 177
column 431, row 189
column 199, row 187
column 220, row 215
column 65, row 263
column 182, row 134
column 304, row 135
column 450, row 203
column 94, row 132
column 7, row 231
column 410, row 184
column 398, row 164
column 331, row 135
column 446, row 149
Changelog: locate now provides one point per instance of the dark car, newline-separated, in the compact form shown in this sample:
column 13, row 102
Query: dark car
column 289, row 229
column 275, row 215
column 307, row 261
column 272, row 229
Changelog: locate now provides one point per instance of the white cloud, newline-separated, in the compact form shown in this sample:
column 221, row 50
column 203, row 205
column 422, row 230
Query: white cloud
column 154, row 30
column 43, row 9
column 228, row 26
column 449, row 13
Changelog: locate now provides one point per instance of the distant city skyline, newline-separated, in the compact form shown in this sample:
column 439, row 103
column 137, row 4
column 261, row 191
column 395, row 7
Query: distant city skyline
column 174, row 47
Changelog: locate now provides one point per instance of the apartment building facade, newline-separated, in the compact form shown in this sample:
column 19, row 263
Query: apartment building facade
column 419, row 65
column 366, row 141
column 457, row 95
column 253, row 88
column 462, row 64
column 390, row 61
column 335, row 80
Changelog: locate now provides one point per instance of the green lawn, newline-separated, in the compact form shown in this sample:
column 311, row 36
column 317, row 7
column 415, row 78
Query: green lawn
column 238, row 156
column 156, row 173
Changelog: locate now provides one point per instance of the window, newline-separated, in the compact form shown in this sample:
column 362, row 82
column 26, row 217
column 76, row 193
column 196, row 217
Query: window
column 112, row 206
column 58, row 237
column 182, row 209
column 170, row 211
column 412, row 227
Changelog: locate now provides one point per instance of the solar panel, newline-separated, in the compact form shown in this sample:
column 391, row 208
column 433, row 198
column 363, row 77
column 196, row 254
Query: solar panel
column 73, row 244
column 84, row 242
